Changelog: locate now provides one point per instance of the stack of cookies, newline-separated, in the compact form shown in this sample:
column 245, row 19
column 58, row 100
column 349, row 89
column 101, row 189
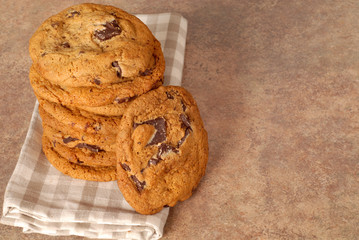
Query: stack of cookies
column 89, row 62
column 97, row 73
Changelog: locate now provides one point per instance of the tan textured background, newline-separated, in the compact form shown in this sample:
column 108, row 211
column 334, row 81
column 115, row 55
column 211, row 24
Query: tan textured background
column 277, row 83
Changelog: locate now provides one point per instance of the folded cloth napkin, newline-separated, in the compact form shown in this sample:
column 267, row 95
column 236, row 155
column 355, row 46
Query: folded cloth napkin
column 40, row 199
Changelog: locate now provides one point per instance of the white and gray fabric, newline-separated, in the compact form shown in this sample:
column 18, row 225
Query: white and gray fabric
column 41, row 199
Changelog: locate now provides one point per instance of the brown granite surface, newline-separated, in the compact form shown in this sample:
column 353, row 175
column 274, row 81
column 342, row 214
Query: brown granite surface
column 277, row 83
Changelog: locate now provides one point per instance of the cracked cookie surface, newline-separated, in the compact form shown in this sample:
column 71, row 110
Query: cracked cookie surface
column 162, row 149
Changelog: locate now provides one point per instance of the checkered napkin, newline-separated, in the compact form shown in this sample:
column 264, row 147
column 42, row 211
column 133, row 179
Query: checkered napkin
column 40, row 199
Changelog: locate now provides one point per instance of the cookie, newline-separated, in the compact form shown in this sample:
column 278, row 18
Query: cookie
column 81, row 153
column 100, row 174
column 162, row 149
column 117, row 94
column 80, row 120
column 96, row 45
column 59, row 132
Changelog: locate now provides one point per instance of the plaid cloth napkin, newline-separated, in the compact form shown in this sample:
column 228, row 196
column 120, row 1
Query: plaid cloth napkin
column 40, row 199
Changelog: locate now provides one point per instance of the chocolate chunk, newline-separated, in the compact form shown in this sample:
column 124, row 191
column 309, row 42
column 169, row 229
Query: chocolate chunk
column 118, row 68
column 73, row 14
column 111, row 29
column 169, row 96
column 187, row 125
column 165, row 148
column 146, row 72
column 79, row 161
column 160, row 126
column 65, row 45
column 140, row 185
column 97, row 81
column 185, row 121
column 92, row 148
column 69, row 139
column 125, row 99
column 162, row 149
column 125, row 167
column 186, row 133
column 183, row 106
column 153, row 161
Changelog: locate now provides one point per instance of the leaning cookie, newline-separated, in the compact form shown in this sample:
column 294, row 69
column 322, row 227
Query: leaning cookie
column 162, row 149
column 100, row 174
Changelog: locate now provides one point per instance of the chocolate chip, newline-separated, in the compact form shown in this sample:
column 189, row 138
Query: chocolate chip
column 118, row 68
column 165, row 148
column 111, row 29
column 92, row 148
column 65, row 45
column 187, row 125
column 125, row 99
column 162, row 149
column 183, row 106
column 69, row 139
column 43, row 54
column 186, row 133
column 160, row 126
column 146, row 72
column 97, row 81
column 166, row 206
column 169, row 96
column 72, row 14
column 185, row 121
column 153, row 161
column 125, row 167
column 79, row 161
column 140, row 185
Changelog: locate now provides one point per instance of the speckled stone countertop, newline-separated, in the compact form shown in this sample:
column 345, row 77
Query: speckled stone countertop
column 277, row 83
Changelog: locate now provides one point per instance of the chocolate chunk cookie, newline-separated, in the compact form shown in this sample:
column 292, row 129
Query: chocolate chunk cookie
column 75, row 170
column 96, row 45
column 80, row 120
column 80, row 152
column 162, row 149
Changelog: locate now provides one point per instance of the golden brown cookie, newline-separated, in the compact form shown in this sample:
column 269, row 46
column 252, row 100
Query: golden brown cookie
column 101, row 174
column 81, row 153
column 162, row 149
column 96, row 45
column 59, row 132
column 80, row 120
column 91, row 97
